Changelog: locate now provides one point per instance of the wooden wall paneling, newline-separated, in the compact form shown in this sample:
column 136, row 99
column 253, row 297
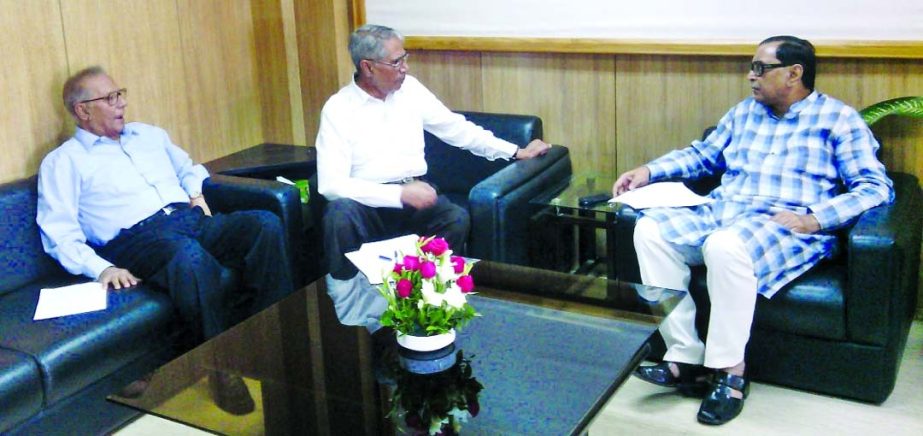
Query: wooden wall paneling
column 220, row 68
column 665, row 102
column 860, row 83
column 138, row 43
column 322, row 34
column 271, row 54
column 573, row 94
column 454, row 77
column 290, row 26
column 34, row 67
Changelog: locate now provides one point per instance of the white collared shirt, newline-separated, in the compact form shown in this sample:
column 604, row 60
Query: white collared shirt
column 92, row 187
column 364, row 142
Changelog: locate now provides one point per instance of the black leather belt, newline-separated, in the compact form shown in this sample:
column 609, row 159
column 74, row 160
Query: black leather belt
column 164, row 211
column 403, row 181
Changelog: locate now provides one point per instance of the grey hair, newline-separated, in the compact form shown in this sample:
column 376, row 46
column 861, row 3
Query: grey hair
column 367, row 42
column 74, row 91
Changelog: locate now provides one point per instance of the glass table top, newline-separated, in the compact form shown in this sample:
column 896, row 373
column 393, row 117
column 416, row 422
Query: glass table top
column 567, row 195
column 538, row 361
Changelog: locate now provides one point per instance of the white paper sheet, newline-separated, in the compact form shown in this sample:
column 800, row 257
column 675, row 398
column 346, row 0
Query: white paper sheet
column 70, row 300
column 374, row 258
column 663, row 194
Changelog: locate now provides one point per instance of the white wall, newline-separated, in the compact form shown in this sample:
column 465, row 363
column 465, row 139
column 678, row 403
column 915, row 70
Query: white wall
column 699, row 20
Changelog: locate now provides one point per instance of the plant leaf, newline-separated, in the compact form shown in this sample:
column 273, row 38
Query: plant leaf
column 904, row 106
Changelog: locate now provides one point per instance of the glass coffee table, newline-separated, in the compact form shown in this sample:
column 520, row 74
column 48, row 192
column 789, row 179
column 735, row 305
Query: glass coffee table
column 538, row 361
column 581, row 204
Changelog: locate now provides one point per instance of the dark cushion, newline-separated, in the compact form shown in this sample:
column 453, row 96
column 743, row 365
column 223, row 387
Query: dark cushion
column 73, row 352
column 811, row 306
column 20, row 388
column 22, row 258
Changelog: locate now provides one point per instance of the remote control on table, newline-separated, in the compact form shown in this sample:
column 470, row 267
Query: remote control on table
column 593, row 200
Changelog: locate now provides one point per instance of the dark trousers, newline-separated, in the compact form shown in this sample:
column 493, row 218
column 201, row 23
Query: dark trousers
column 348, row 224
column 186, row 253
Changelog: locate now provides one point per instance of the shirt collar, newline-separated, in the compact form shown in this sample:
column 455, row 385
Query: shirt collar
column 364, row 97
column 801, row 104
column 795, row 108
column 88, row 139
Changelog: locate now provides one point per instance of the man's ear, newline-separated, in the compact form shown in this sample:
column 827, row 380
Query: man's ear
column 81, row 111
column 366, row 66
column 795, row 73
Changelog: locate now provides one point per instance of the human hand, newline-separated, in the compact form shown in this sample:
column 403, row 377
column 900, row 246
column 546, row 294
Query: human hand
column 535, row 148
column 418, row 195
column 117, row 277
column 629, row 180
column 797, row 223
column 200, row 202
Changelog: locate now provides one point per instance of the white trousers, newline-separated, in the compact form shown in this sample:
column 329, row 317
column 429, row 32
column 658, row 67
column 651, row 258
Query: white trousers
column 731, row 291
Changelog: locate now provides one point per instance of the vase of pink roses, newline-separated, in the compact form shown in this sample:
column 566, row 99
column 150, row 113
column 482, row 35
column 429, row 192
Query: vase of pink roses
column 427, row 294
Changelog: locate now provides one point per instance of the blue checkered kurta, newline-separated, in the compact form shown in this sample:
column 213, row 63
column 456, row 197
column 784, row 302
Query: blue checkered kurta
column 819, row 158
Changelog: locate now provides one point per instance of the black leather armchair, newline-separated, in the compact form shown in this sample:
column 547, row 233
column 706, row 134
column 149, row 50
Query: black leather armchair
column 840, row 328
column 497, row 193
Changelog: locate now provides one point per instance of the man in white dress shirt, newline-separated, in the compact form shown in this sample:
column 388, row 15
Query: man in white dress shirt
column 371, row 166
column 120, row 203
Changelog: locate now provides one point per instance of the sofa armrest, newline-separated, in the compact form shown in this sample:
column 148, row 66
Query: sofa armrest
column 500, row 209
column 456, row 171
column 226, row 194
column 883, row 252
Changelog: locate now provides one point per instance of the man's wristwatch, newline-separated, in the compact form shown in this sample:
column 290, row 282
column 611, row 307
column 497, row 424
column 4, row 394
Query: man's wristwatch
column 194, row 194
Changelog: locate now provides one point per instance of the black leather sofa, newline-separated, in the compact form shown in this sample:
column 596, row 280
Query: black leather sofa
column 497, row 193
column 55, row 374
column 840, row 328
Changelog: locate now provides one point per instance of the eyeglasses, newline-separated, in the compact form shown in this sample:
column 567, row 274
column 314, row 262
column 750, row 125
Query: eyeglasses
column 112, row 98
column 397, row 63
column 759, row 68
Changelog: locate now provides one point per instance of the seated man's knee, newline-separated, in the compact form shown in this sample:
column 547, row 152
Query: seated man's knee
column 266, row 220
column 646, row 229
column 342, row 211
column 723, row 246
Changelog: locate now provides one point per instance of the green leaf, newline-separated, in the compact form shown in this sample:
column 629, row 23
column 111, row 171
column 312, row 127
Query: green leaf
column 904, row 106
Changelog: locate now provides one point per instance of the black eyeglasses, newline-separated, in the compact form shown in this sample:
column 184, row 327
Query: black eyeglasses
column 397, row 63
column 759, row 68
column 112, row 98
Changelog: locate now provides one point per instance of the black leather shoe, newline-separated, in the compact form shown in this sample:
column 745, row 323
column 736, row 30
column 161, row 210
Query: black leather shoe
column 692, row 380
column 230, row 393
column 719, row 406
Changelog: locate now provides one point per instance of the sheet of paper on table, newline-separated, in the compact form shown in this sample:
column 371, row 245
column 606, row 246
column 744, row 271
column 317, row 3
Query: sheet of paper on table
column 663, row 194
column 70, row 300
column 374, row 258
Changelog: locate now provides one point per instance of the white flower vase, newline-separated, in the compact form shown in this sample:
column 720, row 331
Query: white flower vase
column 426, row 343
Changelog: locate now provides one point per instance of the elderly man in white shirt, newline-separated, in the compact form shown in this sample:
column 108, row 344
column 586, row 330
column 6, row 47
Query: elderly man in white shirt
column 371, row 165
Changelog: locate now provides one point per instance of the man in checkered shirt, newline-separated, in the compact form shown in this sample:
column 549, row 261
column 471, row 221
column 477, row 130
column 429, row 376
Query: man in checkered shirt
column 797, row 164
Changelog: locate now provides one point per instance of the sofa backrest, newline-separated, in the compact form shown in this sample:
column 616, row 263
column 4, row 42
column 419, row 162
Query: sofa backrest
column 456, row 171
column 22, row 258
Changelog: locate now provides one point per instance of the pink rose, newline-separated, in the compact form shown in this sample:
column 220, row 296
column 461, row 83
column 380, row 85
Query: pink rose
column 404, row 287
column 398, row 267
column 465, row 283
column 428, row 270
column 411, row 263
column 458, row 264
column 437, row 246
